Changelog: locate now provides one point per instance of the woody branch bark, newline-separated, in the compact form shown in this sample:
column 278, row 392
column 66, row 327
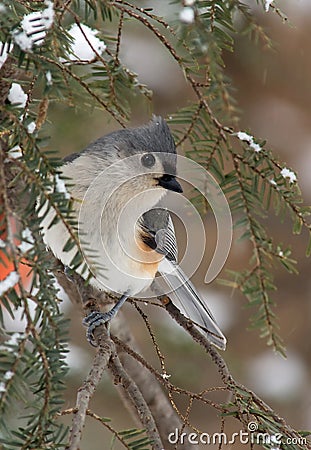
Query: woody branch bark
column 139, row 388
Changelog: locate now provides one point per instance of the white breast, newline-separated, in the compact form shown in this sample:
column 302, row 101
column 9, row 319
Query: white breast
column 118, row 262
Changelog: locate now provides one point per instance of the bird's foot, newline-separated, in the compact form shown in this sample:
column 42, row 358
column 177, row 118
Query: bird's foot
column 94, row 320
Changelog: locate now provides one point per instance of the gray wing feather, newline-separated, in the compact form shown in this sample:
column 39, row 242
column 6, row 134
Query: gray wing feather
column 188, row 300
column 159, row 229
column 159, row 226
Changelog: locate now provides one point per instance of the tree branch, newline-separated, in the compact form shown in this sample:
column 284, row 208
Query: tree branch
column 100, row 363
column 161, row 408
column 261, row 410
column 145, row 416
column 91, row 299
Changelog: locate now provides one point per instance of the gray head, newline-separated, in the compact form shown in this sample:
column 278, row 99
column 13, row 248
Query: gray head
column 149, row 152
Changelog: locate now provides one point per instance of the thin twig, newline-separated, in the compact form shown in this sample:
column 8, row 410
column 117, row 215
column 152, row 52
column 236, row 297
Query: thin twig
column 121, row 6
column 120, row 29
column 165, row 382
column 258, row 256
column 153, row 338
column 86, row 87
column 227, row 378
column 188, row 131
column 188, row 325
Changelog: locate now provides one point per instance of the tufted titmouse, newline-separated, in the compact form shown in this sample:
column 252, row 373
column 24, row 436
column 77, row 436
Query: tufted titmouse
column 117, row 183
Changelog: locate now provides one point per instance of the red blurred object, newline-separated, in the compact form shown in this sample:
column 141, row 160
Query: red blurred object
column 7, row 266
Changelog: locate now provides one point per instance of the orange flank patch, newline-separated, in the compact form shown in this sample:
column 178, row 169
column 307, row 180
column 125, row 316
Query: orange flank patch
column 7, row 266
column 148, row 259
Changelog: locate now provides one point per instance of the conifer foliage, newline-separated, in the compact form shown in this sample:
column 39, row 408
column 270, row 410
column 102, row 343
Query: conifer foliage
column 69, row 52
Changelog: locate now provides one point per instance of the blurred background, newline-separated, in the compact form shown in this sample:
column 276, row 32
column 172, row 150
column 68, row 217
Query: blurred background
column 272, row 88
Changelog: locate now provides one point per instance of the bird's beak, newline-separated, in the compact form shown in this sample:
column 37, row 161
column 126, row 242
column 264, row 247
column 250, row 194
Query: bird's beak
column 169, row 182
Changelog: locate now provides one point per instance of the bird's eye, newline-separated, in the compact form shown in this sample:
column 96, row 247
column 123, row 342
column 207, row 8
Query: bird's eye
column 148, row 160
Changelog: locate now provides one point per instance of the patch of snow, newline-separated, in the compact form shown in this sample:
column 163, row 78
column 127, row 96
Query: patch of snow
column 187, row 15
column 4, row 51
column 12, row 341
column 267, row 5
column 287, row 173
column 48, row 77
column 31, row 127
column 60, row 186
column 27, row 242
column 245, row 137
column 85, row 44
column 17, row 96
column 255, row 147
column 34, row 27
column 8, row 375
column 9, row 282
column 165, row 376
column 19, row 322
column 15, row 152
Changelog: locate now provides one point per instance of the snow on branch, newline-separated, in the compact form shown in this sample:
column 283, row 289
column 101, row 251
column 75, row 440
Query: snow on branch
column 33, row 28
column 9, row 282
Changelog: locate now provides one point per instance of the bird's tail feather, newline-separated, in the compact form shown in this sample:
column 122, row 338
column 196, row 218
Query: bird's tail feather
column 187, row 299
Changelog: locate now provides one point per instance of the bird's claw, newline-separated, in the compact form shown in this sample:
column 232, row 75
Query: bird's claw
column 92, row 321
